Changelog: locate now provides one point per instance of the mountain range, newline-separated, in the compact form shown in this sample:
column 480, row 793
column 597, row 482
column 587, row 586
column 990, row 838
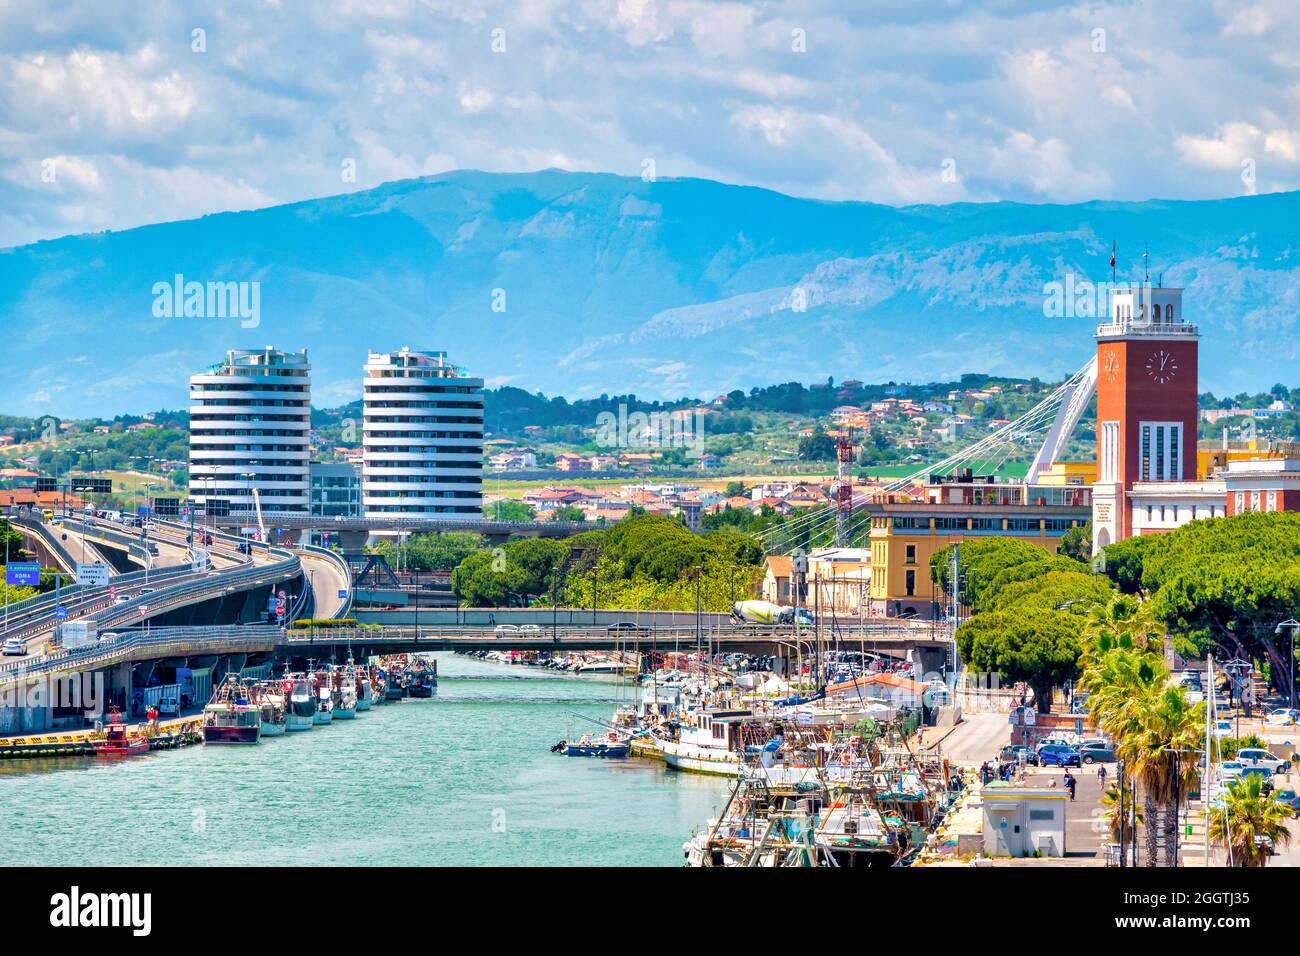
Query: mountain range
column 589, row 283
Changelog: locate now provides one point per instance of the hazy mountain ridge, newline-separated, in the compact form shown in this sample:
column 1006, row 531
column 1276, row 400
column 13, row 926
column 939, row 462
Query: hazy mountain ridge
column 612, row 284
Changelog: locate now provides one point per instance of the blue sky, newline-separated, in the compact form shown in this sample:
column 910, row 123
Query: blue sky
column 115, row 114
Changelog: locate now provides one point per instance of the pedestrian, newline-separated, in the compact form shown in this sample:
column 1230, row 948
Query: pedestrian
column 1101, row 775
column 1071, row 783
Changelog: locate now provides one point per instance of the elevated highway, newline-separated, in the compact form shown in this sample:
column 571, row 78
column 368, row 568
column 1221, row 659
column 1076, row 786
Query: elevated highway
column 352, row 532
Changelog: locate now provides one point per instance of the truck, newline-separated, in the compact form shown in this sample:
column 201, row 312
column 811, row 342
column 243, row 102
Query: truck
column 73, row 634
column 765, row 612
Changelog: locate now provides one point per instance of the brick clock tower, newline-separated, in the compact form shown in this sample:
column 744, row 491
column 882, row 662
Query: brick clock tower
column 1146, row 403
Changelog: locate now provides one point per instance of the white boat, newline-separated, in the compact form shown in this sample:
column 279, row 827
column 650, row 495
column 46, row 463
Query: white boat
column 270, row 697
column 365, row 693
column 324, row 705
column 708, row 743
column 345, row 701
column 601, row 665
column 301, row 712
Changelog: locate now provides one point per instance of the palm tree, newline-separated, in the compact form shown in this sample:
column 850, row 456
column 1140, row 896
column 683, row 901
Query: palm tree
column 1165, row 754
column 1156, row 732
column 1116, row 821
column 1123, row 616
column 1250, row 823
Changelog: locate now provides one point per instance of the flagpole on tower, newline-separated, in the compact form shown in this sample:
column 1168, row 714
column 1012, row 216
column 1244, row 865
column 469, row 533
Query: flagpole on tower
column 1112, row 262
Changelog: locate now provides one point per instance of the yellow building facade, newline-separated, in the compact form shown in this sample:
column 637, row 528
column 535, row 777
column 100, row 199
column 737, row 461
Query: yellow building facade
column 904, row 536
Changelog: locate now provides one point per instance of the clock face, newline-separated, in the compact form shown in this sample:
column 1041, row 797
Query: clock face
column 1161, row 366
column 1112, row 367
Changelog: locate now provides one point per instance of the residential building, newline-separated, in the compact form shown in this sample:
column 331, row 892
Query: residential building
column 250, row 422
column 422, row 436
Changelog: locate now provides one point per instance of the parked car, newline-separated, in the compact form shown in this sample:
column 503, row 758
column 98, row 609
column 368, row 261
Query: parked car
column 14, row 647
column 169, row 707
column 1052, row 742
column 1265, row 775
column 1259, row 757
column 1230, row 770
column 1059, row 755
column 1223, row 728
column 1097, row 751
column 1285, row 717
column 1290, row 798
column 1014, row 753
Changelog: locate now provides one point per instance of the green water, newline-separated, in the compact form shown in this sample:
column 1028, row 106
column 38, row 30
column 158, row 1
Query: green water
column 466, row 778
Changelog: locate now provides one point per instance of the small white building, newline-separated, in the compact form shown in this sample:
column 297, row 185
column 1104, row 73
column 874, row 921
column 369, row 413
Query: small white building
column 1022, row 821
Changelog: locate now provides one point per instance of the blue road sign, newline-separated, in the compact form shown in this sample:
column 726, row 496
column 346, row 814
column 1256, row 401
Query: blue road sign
column 343, row 593
column 61, row 613
column 24, row 574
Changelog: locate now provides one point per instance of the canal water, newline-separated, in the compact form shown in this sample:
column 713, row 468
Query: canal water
column 466, row 779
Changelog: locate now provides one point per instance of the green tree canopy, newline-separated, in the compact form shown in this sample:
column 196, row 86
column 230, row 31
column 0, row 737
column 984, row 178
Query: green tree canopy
column 436, row 551
column 1220, row 582
column 1039, row 647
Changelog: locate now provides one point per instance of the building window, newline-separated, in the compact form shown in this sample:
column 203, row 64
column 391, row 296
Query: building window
column 1272, row 501
column 1254, row 501
column 1110, row 451
column 911, row 583
column 911, row 554
column 1239, row 502
column 1161, row 450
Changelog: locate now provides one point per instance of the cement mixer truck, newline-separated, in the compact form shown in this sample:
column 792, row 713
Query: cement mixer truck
column 773, row 615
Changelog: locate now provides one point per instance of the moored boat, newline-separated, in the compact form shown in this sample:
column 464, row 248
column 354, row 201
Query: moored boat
column 422, row 678
column 609, row 745
column 301, row 711
column 324, row 704
column 709, row 743
column 231, row 717
column 269, row 696
column 365, row 690
column 118, row 741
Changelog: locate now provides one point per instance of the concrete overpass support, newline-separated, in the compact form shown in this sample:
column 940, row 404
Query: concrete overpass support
column 349, row 541
column 26, row 708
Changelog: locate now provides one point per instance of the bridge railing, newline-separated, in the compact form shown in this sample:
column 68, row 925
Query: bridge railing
column 132, row 543
column 541, row 636
column 86, row 658
column 208, row 585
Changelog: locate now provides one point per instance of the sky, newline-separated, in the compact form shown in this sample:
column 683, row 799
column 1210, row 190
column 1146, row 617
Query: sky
column 114, row 115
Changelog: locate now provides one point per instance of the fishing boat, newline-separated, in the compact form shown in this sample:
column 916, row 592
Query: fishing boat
column 709, row 742
column 301, row 712
column 806, row 796
column 422, row 678
column 118, row 741
column 269, row 696
column 366, row 696
column 394, row 676
column 324, row 703
column 231, row 717
column 345, row 695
